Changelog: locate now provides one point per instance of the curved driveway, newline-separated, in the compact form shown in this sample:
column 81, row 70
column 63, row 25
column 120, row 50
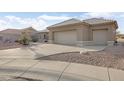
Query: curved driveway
column 20, row 64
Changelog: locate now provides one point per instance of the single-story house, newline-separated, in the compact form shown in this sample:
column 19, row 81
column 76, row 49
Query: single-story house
column 12, row 35
column 42, row 35
column 120, row 36
column 94, row 31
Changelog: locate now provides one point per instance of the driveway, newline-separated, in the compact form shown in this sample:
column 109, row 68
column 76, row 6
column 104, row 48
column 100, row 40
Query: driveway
column 17, row 53
column 48, row 49
column 20, row 64
column 40, row 50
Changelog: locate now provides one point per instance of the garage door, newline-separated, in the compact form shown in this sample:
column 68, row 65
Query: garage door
column 100, row 37
column 65, row 37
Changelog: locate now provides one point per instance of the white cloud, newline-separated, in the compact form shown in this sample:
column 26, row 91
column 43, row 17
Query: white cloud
column 39, row 23
column 19, row 22
column 47, row 17
column 98, row 14
column 12, row 18
column 2, row 22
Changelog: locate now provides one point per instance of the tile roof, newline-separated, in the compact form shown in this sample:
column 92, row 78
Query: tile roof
column 70, row 21
column 91, row 21
column 97, row 21
column 11, row 31
column 18, row 31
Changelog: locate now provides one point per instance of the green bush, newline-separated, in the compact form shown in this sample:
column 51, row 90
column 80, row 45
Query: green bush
column 25, row 39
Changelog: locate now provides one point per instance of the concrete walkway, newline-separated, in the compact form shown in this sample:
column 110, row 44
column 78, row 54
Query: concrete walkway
column 55, row 71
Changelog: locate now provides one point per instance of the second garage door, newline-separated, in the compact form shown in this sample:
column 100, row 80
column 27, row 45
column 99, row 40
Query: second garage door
column 100, row 37
column 65, row 37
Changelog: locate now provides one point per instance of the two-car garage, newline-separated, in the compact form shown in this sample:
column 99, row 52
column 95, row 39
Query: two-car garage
column 70, row 37
column 94, row 31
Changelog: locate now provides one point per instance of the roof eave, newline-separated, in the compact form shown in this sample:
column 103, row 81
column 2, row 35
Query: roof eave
column 113, row 22
column 79, row 23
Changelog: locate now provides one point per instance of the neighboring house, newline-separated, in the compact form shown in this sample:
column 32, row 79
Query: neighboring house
column 42, row 35
column 11, row 35
column 94, row 31
column 120, row 36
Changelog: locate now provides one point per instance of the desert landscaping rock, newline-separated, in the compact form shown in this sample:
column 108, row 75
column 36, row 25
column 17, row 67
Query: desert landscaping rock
column 4, row 46
column 111, row 57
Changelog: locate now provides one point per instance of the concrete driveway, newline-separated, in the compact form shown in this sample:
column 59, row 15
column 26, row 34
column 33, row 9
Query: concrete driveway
column 40, row 50
column 17, row 53
column 20, row 64
column 48, row 49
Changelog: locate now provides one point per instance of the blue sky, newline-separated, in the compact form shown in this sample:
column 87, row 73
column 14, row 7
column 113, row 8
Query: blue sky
column 41, row 20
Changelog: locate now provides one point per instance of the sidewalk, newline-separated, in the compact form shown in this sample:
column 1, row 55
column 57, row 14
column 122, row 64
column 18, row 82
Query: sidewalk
column 56, row 71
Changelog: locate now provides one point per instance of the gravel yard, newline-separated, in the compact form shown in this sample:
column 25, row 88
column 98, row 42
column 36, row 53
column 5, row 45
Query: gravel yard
column 9, row 45
column 112, row 56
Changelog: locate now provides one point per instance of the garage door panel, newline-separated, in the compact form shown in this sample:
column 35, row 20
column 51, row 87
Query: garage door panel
column 65, row 37
column 100, row 37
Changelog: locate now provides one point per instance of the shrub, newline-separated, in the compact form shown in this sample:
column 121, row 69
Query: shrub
column 25, row 39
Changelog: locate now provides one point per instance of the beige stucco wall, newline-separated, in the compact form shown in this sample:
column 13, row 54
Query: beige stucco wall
column 40, row 36
column 81, row 30
column 109, row 27
column 50, row 37
column 84, row 32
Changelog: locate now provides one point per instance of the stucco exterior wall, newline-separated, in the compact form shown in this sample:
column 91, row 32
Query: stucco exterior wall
column 81, row 30
column 85, row 32
column 41, row 37
column 50, row 34
column 112, row 33
column 109, row 27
